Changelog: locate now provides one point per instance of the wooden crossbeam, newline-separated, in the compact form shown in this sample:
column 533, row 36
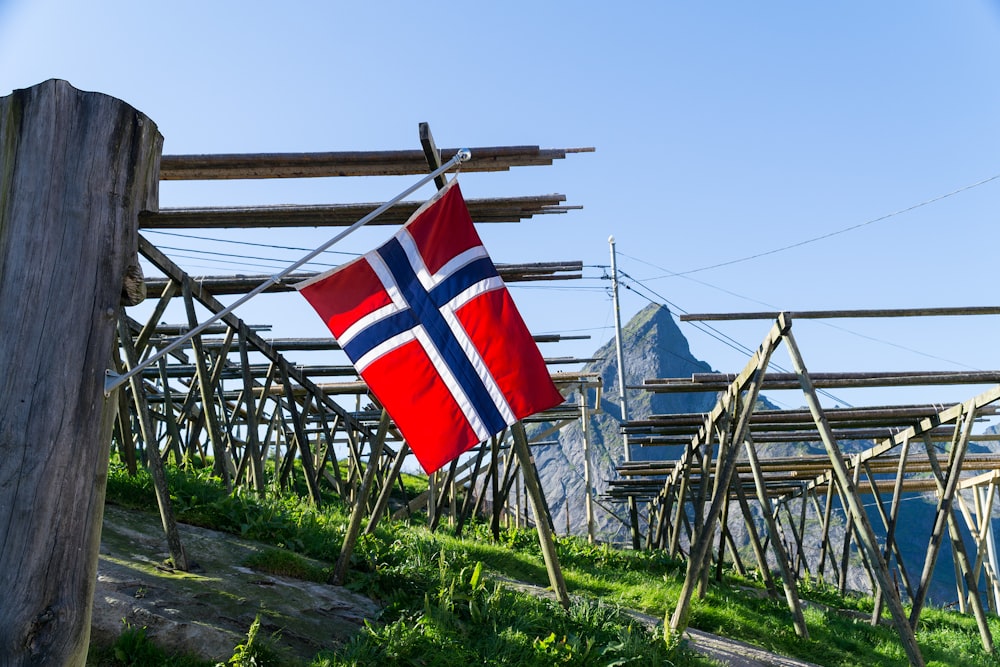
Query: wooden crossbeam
column 497, row 209
column 782, row 381
column 349, row 163
column 837, row 314
column 242, row 284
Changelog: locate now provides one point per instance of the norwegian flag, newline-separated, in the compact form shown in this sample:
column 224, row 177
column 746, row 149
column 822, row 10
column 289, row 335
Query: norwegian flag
column 430, row 327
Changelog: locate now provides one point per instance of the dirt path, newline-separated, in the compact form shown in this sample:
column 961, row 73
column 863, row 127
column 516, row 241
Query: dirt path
column 729, row 652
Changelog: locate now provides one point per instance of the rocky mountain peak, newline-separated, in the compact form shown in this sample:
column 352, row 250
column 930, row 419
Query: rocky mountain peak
column 653, row 347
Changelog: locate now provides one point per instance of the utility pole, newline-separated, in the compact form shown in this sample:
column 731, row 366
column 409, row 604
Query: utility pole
column 587, row 475
column 633, row 513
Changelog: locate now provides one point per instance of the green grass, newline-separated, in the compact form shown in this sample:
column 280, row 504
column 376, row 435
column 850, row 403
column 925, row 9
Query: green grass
column 134, row 649
column 442, row 605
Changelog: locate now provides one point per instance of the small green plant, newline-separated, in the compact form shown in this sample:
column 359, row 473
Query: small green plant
column 134, row 648
column 255, row 651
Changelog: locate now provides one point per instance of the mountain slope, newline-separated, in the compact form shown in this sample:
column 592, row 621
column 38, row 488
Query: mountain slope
column 655, row 347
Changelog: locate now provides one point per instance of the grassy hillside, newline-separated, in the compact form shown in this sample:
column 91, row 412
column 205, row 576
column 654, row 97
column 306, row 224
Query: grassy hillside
column 445, row 601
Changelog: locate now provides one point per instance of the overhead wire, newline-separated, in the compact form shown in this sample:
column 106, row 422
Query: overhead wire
column 824, row 323
column 715, row 333
column 823, row 237
column 247, row 243
column 226, row 254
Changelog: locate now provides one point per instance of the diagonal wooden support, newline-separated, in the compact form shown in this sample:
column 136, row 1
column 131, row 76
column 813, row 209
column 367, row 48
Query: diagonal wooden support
column 890, row 522
column 825, row 513
column 204, row 384
column 947, row 488
column 758, row 548
column 781, row 556
column 471, row 500
column 306, row 456
column 360, row 503
column 383, row 497
column 725, row 444
column 980, row 526
column 850, row 494
column 538, row 506
column 253, row 437
column 174, row 546
column 748, row 380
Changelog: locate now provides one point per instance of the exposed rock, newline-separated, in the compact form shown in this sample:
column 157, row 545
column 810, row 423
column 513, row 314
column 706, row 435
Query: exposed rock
column 208, row 611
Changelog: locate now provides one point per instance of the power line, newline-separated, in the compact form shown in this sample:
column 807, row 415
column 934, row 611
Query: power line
column 776, row 308
column 839, row 231
column 257, row 265
column 226, row 254
column 719, row 336
column 248, row 243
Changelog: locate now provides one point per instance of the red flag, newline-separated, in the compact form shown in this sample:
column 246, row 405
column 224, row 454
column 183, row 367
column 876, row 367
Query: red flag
column 432, row 330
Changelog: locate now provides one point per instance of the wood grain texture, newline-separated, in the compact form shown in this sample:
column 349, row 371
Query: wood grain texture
column 75, row 170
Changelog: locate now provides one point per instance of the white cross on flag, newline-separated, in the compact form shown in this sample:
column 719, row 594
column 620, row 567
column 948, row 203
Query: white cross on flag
column 432, row 330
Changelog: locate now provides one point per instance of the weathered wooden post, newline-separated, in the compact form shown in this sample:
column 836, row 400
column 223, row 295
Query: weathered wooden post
column 75, row 170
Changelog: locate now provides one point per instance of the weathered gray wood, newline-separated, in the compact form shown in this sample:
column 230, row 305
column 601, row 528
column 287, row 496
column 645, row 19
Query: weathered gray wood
column 383, row 497
column 349, row 163
column 253, row 436
column 947, row 488
column 76, row 169
column 470, row 499
column 867, row 539
column 156, row 470
column 755, row 543
column 339, row 574
column 833, row 314
column 780, row 555
column 776, row 381
column 748, row 382
column 306, row 456
column 204, row 383
column 505, row 209
column 540, row 509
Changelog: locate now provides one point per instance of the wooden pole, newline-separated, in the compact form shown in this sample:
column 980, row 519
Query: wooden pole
column 748, row 381
column 587, row 474
column 538, row 506
column 780, row 555
column 76, row 169
column 994, row 567
column 156, row 470
column 360, row 504
column 867, row 539
column 386, row 492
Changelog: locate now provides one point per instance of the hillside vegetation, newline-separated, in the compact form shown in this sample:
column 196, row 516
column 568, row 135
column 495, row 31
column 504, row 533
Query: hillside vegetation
column 445, row 601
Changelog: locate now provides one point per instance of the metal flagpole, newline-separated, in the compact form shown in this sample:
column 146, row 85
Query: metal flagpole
column 113, row 380
column 633, row 513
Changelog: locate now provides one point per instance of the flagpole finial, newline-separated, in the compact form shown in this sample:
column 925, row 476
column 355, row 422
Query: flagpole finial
column 464, row 155
column 611, row 239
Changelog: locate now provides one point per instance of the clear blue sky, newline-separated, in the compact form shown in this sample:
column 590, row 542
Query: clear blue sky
column 722, row 130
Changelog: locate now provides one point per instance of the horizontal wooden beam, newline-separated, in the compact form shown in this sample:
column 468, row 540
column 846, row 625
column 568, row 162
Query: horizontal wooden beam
column 836, row 314
column 893, row 415
column 501, row 209
column 242, row 284
column 329, row 343
column 349, row 163
column 235, row 372
column 705, row 382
